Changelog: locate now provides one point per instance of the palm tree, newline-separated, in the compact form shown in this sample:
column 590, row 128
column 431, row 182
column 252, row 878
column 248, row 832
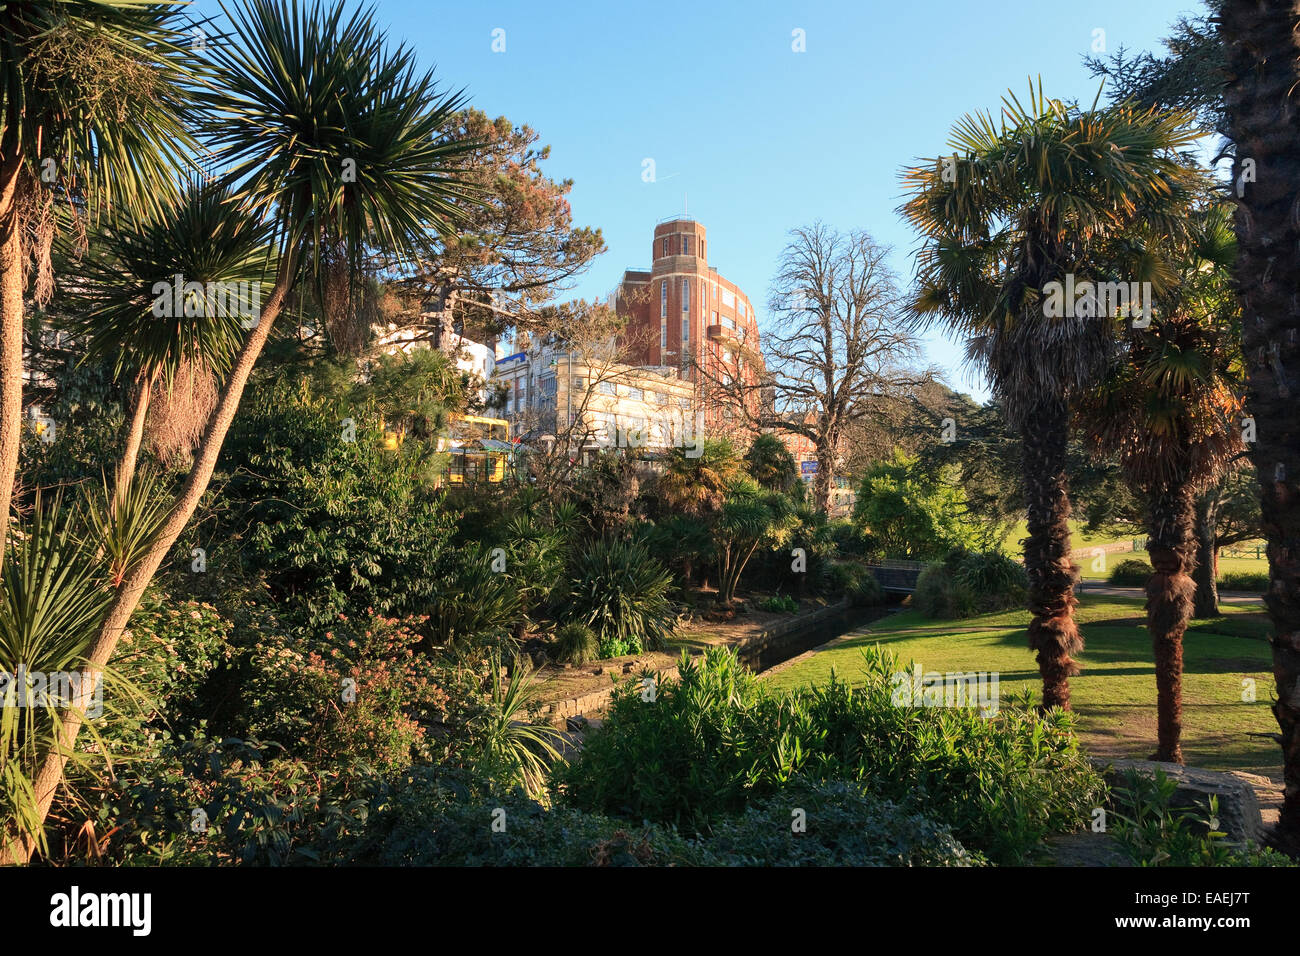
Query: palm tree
column 1020, row 204
column 1172, row 415
column 695, row 485
column 324, row 130
column 194, row 237
column 750, row 518
column 1262, row 97
column 92, row 107
column 771, row 464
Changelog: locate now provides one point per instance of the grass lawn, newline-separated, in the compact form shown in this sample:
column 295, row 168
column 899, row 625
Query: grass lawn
column 1089, row 571
column 1114, row 697
column 1078, row 537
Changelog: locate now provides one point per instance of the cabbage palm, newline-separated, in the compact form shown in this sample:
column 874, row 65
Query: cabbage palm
column 1262, row 97
column 1049, row 191
column 750, row 518
column 195, row 237
column 54, row 590
column 325, row 132
column 1171, row 413
column 92, row 107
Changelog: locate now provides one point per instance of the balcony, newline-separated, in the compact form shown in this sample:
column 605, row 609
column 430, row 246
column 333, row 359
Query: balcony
column 722, row 333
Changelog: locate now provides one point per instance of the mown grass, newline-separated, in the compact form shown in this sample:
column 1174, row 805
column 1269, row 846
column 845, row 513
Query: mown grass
column 1115, row 695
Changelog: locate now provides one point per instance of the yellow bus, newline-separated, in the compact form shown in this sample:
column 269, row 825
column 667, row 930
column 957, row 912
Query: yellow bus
column 479, row 449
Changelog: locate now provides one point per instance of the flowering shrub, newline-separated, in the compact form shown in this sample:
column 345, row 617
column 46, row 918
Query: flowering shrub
column 168, row 652
column 359, row 692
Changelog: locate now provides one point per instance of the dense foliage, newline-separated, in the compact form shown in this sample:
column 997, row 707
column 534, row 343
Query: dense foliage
column 705, row 747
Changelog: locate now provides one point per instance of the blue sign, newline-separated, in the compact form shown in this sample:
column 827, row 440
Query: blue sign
column 808, row 467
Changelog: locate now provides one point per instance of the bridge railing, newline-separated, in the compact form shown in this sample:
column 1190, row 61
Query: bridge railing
column 896, row 574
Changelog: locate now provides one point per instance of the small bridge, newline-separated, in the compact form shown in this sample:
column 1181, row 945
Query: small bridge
column 897, row 576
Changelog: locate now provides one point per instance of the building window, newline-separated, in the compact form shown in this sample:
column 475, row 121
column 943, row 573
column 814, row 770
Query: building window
column 665, row 245
column 608, row 388
column 663, row 335
column 686, row 295
column 686, row 245
column 663, row 298
column 728, row 299
column 636, row 394
column 686, row 333
column 727, row 320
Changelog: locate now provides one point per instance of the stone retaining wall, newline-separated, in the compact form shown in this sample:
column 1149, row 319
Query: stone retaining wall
column 558, row 712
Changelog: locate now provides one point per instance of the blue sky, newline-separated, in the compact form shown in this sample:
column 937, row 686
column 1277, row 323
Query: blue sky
column 759, row 138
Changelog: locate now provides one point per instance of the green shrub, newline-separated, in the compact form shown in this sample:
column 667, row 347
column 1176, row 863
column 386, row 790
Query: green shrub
column 474, row 603
column 997, row 580
column 1130, row 573
column 621, row 593
column 1154, row 832
column 576, row 644
column 903, row 511
column 845, row 825
column 847, row 537
column 939, row 594
column 780, row 604
column 856, row 583
column 840, row 576
column 430, row 824
column 330, row 525
column 208, row 802
column 966, row 583
column 170, row 650
column 357, row 694
column 866, row 591
column 717, row 739
column 1244, row 581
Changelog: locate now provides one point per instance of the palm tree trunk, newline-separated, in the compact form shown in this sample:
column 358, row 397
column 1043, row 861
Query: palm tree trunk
column 11, row 334
column 1052, row 575
column 1262, row 99
column 1169, row 608
column 138, row 412
column 137, row 579
column 1205, row 575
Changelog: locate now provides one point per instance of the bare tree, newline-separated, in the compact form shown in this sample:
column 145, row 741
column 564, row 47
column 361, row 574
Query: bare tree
column 838, row 352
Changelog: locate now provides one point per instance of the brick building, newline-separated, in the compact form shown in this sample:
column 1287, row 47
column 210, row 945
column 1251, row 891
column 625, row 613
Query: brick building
column 683, row 314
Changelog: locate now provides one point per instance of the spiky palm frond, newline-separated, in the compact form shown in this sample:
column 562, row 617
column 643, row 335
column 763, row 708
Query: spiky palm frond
column 1171, row 410
column 201, row 241
column 126, row 519
column 1048, row 190
column 323, row 128
column 53, row 594
column 99, row 88
column 511, row 740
